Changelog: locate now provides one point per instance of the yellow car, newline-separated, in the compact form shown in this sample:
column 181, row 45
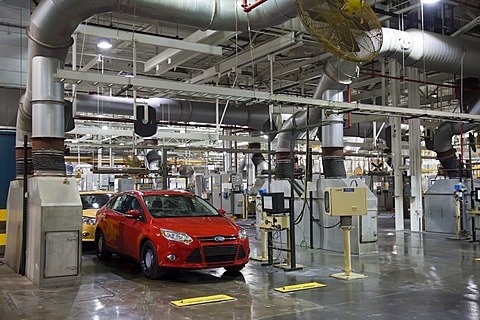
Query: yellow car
column 91, row 202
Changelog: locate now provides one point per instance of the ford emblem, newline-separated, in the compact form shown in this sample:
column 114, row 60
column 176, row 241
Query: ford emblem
column 219, row 239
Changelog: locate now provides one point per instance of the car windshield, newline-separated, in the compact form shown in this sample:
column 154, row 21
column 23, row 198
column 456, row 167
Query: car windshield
column 167, row 205
column 94, row 201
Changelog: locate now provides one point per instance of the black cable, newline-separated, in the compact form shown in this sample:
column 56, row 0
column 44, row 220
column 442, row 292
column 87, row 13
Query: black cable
column 356, row 183
column 329, row 227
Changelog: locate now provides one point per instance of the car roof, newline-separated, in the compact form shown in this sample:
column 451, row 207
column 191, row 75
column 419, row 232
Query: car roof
column 96, row 192
column 159, row 192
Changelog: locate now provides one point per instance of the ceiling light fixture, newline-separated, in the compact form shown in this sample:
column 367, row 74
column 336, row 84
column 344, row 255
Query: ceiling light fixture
column 104, row 43
column 430, row 1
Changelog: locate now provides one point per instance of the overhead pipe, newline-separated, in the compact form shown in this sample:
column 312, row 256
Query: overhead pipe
column 254, row 116
column 54, row 21
column 337, row 74
column 415, row 48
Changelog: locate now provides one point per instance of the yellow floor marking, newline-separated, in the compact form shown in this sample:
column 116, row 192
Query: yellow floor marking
column 302, row 286
column 477, row 259
column 3, row 239
column 3, row 214
column 202, row 300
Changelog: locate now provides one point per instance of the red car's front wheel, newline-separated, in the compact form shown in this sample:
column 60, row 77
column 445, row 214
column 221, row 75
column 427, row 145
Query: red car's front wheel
column 150, row 267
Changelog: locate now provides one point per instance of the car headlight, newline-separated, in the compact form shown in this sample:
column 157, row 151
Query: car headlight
column 88, row 220
column 242, row 234
column 176, row 236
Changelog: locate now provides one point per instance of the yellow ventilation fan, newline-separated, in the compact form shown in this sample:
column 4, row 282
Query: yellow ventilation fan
column 348, row 29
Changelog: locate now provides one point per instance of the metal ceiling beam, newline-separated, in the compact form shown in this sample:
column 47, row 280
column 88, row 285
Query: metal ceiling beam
column 246, row 57
column 168, row 53
column 182, row 57
column 213, row 92
column 148, row 39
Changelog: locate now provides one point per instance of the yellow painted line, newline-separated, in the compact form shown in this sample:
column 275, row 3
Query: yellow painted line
column 3, row 214
column 202, row 300
column 477, row 259
column 3, row 239
column 302, row 286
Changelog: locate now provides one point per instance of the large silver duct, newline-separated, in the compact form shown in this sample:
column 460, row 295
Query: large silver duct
column 442, row 142
column 53, row 22
column 337, row 73
column 170, row 110
column 415, row 48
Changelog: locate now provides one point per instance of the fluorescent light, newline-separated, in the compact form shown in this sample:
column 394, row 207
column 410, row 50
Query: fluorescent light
column 430, row 1
column 103, row 43
column 104, row 127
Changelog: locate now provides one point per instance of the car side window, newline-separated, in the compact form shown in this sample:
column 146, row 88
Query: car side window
column 118, row 204
column 135, row 205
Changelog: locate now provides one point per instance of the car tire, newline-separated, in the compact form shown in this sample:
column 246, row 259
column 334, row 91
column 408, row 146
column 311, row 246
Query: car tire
column 234, row 269
column 103, row 254
column 150, row 267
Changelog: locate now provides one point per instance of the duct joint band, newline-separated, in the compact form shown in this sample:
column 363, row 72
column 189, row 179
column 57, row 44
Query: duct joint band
column 20, row 166
column 333, row 167
column 45, row 45
column 48, row 161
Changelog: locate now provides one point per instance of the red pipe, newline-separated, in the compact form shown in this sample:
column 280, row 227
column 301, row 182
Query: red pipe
column 248, row 8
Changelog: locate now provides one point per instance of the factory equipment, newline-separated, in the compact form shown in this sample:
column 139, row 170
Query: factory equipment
column 318, row 228
column 441, row 203
column 226, row 192
column 54, row 246
column 346, row 202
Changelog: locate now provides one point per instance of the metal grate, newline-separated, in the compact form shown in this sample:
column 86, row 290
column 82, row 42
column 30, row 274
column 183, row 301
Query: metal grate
column 241, row 253
column 214, row 254
column 194, row 257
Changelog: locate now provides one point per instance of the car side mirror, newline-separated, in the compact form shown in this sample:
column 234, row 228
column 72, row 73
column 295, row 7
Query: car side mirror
column 222, row 212
column 132, row 214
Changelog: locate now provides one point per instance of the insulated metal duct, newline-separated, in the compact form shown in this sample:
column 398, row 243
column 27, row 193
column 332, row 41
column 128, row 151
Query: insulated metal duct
column 442, row 142
column 415, row 48
column 53, row 22
column 254, row 116
column 337, row 73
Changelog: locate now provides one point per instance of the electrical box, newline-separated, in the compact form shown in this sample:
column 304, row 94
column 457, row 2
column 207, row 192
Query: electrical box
column 273, row 203
column 351, row 201
column 278, row 221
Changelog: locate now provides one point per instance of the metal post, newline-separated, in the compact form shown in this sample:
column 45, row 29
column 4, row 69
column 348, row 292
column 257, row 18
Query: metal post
column 347, row 259
column 25, row 207
column 164, row 170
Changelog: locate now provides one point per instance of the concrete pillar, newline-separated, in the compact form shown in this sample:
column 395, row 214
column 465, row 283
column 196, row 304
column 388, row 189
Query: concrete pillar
column 394, row 97
column 415, row 152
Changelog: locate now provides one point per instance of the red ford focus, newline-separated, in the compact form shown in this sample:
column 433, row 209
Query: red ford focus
column 169, row 229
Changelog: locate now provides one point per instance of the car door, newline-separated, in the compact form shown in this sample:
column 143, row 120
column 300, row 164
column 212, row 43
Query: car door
column 132, row 229
column 113, row 219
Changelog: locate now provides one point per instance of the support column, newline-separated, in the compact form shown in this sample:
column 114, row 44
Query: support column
column 396, row 145
column 415, row 151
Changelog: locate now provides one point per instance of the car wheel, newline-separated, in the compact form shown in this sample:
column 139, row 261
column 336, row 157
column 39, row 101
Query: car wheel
column 102, row 252
column 235, row 269
column 150, row 267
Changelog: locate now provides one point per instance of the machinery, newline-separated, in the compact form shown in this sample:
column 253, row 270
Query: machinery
column 318, row 227
column 442, row 201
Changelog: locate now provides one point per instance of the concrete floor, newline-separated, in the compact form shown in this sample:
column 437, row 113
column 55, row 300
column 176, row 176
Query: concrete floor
column 414, row 276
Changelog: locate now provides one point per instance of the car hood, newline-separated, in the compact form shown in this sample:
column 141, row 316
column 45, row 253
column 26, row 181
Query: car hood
column 91, row 213
column 198, row 226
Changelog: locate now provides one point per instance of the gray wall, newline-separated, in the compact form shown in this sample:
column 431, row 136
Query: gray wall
column 9, row 106
column 14, row 16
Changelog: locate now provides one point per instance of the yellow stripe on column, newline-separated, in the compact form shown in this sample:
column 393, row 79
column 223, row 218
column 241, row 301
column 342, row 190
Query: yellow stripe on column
column 3, row 214
column 3, row 239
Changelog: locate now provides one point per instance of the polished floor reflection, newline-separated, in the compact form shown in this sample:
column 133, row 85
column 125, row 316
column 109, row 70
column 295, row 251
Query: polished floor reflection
column 415, row 276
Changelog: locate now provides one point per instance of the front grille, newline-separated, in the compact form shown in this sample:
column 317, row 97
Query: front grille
column 212, row 239
column 194, row 257
column 241, row 253
column 214, row 254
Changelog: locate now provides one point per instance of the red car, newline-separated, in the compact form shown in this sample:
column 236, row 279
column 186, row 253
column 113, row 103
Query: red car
column 169, row 229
